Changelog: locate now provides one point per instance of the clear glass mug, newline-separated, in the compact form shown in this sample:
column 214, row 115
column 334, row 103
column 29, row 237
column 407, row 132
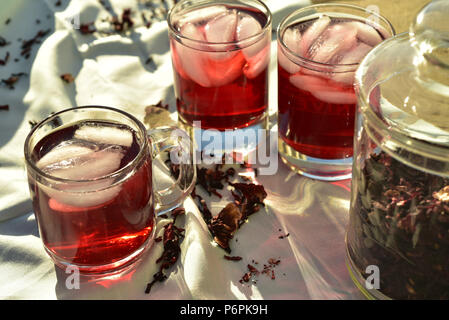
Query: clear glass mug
column 319, row 50
column 220, row 53
column 91, row 178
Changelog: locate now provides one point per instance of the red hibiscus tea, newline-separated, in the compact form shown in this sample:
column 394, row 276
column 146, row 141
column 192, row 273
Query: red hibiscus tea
column 96, row 222
column 317, row 58
column 220, row 55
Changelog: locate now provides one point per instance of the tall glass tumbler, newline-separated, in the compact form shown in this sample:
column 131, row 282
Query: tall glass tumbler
column 220, row 52
column 319, row 49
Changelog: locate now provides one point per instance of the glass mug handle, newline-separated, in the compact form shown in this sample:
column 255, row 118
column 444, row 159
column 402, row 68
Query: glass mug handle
column 175, row 144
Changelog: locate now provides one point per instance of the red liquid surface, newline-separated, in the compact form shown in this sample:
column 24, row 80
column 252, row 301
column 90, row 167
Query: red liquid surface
column 234, row 90
column 313, row 127
column 99, row 234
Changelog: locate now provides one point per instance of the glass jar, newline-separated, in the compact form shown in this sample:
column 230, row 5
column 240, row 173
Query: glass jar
column 398, row 233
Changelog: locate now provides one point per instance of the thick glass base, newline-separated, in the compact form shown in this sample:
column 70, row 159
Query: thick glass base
column 212, row 144
column 315, row 168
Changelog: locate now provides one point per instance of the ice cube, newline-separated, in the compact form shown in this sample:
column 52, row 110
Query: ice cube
column 336, row 41
column 292, row 39
column 257, row 54
column 62, row 153
column 336, row 97
column 75, row 199
column 209, row 70
column 357, row 54
column 90, row 166
column 312, row 33
column 222, row 28
column 105, row 134
column 67, row 163
column 190, row 31
column 247, row 27
column 176, row 60
column 206, row 68
column 309, row 83
column 366, row 33
column 202, row 14
column 193, row 61
column 323, row 90
column 224, row 71
column 353, row 56
column 255, row 65
column 286, row 63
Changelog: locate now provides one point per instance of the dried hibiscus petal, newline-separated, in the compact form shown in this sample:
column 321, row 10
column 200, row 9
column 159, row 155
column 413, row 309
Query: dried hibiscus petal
column 87, row 28
column 210, row 180
column 254, row 193
column 67, row 78
column 3, row 42
column 171, row 240
column 249, row 198
column 284, row 236
column 28, row 44
column 11, row 81
column 224, row 225
column 124, row 23
column 4, row 61
column 232, row 258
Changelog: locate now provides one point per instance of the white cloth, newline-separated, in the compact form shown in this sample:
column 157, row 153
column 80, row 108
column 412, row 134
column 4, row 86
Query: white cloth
column 111, row 70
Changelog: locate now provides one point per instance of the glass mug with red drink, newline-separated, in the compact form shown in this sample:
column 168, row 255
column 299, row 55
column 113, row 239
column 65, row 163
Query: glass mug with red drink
column 90, row 173
column 220, row 53
column 319, row 49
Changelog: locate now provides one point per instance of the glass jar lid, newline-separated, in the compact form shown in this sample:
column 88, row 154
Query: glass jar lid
column 403, row 88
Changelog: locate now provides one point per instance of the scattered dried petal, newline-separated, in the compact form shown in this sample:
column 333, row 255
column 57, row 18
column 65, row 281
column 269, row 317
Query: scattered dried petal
column 28, row 44
column 87, row 28
column 11, row 81
column 225, row 224
column 123, row 24
column 284, row 236
column 171, row 239
column 3, row 42
column 5, row 60
column 232, row 258
column 67, row 78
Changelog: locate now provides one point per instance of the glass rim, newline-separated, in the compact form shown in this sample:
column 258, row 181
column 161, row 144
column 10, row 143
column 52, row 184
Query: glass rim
column 326, row 5
column 118, row 173
column 414, row 145
column 178, row 34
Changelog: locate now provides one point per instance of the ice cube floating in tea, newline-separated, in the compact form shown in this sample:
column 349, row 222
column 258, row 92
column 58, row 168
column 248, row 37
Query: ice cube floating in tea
column 220, row 59
column 316, row 94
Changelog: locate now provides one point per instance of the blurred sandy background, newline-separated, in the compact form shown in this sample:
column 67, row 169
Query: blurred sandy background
column 399, row 12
